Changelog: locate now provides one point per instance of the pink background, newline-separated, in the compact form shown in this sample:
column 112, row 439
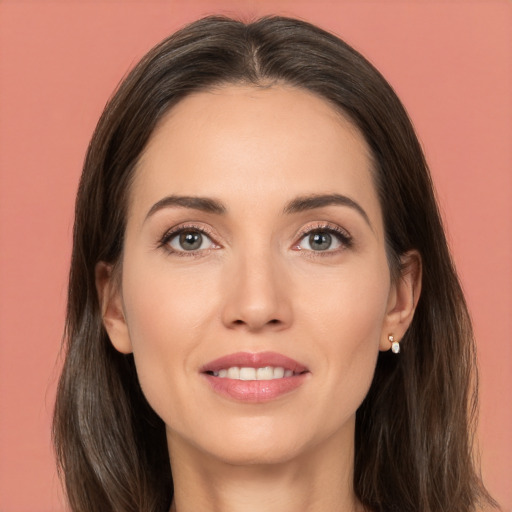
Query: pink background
column 450, row 62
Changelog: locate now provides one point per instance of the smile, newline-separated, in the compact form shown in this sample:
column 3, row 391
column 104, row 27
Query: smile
column 259, row 377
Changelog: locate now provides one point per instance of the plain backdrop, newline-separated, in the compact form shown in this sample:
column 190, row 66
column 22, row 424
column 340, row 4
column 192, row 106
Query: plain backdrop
column 449, row 61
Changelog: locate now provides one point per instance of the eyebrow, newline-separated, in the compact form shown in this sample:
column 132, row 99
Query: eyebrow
column 204, row 204
column 297, row 205
column 311, row 202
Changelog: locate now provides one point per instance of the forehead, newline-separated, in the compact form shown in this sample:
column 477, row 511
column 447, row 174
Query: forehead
column 234, row 140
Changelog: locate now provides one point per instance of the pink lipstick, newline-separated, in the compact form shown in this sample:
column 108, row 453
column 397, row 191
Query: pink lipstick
column 254, row 377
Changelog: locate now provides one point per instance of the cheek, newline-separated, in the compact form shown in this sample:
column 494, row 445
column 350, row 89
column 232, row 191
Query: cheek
column 164, row 305
column 344, row 314
column 347, row 305
column 164, row 314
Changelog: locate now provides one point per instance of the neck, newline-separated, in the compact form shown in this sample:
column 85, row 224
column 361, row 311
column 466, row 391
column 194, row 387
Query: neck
column 318, row 480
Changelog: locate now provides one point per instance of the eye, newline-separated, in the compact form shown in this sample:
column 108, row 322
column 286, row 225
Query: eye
column 319, row 241
column 188, row 240
column 324, row 239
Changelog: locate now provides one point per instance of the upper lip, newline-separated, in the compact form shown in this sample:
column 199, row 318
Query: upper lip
column 253, row 360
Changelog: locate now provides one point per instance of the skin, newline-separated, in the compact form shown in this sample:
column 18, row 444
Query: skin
column 257, row 284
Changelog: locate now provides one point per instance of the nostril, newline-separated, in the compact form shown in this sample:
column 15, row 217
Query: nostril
column 274, row 321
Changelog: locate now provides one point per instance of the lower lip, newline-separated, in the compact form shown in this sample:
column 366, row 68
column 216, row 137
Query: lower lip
column 255, row 391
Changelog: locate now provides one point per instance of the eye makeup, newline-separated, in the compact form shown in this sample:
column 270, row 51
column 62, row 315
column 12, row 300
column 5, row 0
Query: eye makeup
column 188, row 234
column 193, row 240
column 322, row 234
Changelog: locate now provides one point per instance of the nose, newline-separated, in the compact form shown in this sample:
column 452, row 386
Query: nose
column 257, row 294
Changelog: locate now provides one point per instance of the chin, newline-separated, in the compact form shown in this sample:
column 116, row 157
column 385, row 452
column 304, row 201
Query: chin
column 258, row 454
column 249, row 444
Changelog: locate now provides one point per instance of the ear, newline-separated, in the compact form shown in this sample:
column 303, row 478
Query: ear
column 403, row 299
column 109, row 294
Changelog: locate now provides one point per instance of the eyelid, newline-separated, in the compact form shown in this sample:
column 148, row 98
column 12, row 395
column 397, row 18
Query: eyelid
column 342, row 235
column 180, row 228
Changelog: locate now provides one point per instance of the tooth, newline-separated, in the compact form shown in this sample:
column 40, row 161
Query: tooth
column 234, row 372
column 266, row 373
column 278, row 372
column 247, row 374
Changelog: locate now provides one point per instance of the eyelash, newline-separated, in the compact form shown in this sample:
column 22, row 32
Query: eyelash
column 340, row 234
column 176, row 231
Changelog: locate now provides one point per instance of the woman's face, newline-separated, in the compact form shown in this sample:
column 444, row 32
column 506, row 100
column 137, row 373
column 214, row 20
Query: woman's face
column 254, row 240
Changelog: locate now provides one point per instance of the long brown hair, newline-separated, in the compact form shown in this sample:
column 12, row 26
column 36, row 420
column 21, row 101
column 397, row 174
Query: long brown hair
column 414, row 430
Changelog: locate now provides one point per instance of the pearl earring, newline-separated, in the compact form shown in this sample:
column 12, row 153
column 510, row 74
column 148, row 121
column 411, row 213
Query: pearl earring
column 395, row 346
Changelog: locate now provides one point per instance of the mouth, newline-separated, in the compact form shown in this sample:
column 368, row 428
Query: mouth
column 248, row 373
column 254, row 377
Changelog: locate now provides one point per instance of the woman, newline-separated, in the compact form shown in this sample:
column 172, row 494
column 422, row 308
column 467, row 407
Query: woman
column 261, row 297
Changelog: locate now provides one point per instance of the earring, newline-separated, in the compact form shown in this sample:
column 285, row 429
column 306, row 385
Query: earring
column 395, row 346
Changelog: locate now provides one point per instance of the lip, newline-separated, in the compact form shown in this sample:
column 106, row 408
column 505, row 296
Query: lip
column 254, row 391
column 253, row 360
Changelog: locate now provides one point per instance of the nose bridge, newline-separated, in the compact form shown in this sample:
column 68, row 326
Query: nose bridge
column 258, row 296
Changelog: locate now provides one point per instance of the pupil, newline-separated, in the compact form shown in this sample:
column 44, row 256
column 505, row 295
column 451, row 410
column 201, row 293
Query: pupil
column 320, row 241
column 190, row 240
